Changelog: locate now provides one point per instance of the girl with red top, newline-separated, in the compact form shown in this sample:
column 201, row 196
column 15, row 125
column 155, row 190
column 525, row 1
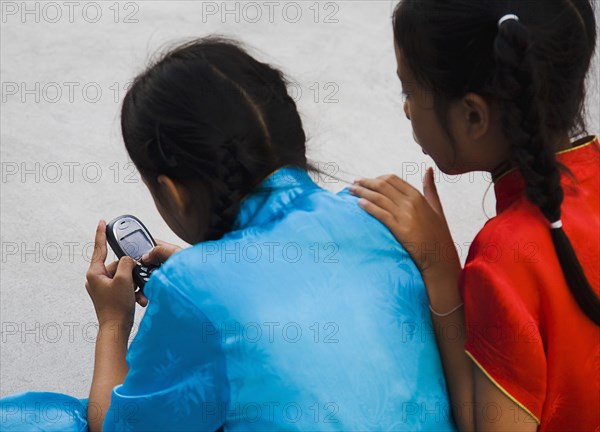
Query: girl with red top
column 499, row 86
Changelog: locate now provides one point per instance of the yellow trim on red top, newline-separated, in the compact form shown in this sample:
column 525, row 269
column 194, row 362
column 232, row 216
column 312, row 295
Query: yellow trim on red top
column 578, row 147
column 556, row 154
column 511, row 397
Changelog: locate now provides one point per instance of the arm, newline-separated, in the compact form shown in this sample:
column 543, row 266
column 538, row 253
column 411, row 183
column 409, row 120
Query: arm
column 497, row 412
column 444, row 297
column 111, row 289
column 478, row 403
column 112, row 292
column 110, row 369
column 177, row 378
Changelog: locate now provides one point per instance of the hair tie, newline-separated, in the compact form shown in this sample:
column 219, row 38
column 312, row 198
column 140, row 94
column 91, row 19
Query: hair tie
column 556, row 225
column 506, row 18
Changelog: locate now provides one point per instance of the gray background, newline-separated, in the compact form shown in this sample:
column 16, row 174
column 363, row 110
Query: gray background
column 64, row 165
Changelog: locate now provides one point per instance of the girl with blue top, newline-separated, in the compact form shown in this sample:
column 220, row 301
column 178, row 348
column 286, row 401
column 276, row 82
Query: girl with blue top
column 294, row 310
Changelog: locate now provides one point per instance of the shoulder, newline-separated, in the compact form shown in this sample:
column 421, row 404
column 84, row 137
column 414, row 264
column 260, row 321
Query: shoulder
column 515, row 239
column 184, row 280
column 501, row 284
column 323, row 234
column 508, row 260
column 376, row 229
column 198, row 262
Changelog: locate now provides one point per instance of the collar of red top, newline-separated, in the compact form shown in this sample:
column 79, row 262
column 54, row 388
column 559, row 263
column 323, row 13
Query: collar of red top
column 510, row 185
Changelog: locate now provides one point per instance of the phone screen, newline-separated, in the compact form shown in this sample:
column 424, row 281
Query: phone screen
column 136, row 244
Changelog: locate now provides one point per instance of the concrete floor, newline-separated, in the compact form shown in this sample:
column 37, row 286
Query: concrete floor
column 64, row 165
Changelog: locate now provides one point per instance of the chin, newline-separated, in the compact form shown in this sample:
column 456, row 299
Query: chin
column 450, row 169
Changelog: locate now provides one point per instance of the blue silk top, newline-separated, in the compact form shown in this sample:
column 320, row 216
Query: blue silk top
column 308, row 315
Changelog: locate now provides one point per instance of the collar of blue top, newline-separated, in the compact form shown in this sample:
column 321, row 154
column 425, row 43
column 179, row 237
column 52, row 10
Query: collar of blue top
column 273, row 196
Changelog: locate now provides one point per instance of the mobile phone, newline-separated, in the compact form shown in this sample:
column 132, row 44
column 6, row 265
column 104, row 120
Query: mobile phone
column 127, row 235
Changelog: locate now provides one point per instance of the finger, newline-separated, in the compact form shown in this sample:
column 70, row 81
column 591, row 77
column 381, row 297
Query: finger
column 381, row 186
column 389, row 185
column 112, row 268
column 141, row 299
column 391, row 205
column 377, row 212
column 124, row 270
column 430, row 192
column 168, row 246
column 100, row 252
column 157, row 255
column 401, row 185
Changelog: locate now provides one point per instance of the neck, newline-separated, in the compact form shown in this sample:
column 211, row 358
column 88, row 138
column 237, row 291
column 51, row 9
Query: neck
column 564, row 143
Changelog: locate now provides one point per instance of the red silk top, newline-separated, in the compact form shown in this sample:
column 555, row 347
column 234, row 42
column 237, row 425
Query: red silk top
column 524, row 329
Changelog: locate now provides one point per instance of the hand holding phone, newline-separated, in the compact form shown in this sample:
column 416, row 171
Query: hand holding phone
column 160, row 253
column 127, row 235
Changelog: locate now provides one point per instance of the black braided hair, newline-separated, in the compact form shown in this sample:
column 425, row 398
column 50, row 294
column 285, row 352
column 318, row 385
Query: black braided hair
column 208, row 111
column 227, row 190
column 534, row 67
column 518, row 86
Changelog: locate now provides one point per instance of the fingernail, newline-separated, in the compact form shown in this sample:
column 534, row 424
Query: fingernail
column 145, row 257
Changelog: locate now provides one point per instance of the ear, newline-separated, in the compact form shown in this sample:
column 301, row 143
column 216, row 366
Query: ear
column 176, row 194
column 475, row 113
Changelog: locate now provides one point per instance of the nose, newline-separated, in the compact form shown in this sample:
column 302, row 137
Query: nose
column 406, row 110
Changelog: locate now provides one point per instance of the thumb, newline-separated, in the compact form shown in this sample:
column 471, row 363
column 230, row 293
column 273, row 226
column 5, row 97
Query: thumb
column 125, row 268
column 430, row 192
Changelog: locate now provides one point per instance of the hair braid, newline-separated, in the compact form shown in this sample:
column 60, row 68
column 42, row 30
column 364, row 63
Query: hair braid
column 518, row 82
column 281, row 131
column 230, row 183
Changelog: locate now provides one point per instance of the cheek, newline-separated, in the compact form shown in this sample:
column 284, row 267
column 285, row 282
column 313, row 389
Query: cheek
column 432, row 139
column 420, row 126
column 167, row 216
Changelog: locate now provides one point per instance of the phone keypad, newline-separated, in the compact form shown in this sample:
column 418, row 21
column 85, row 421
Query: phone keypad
column 143, row 272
